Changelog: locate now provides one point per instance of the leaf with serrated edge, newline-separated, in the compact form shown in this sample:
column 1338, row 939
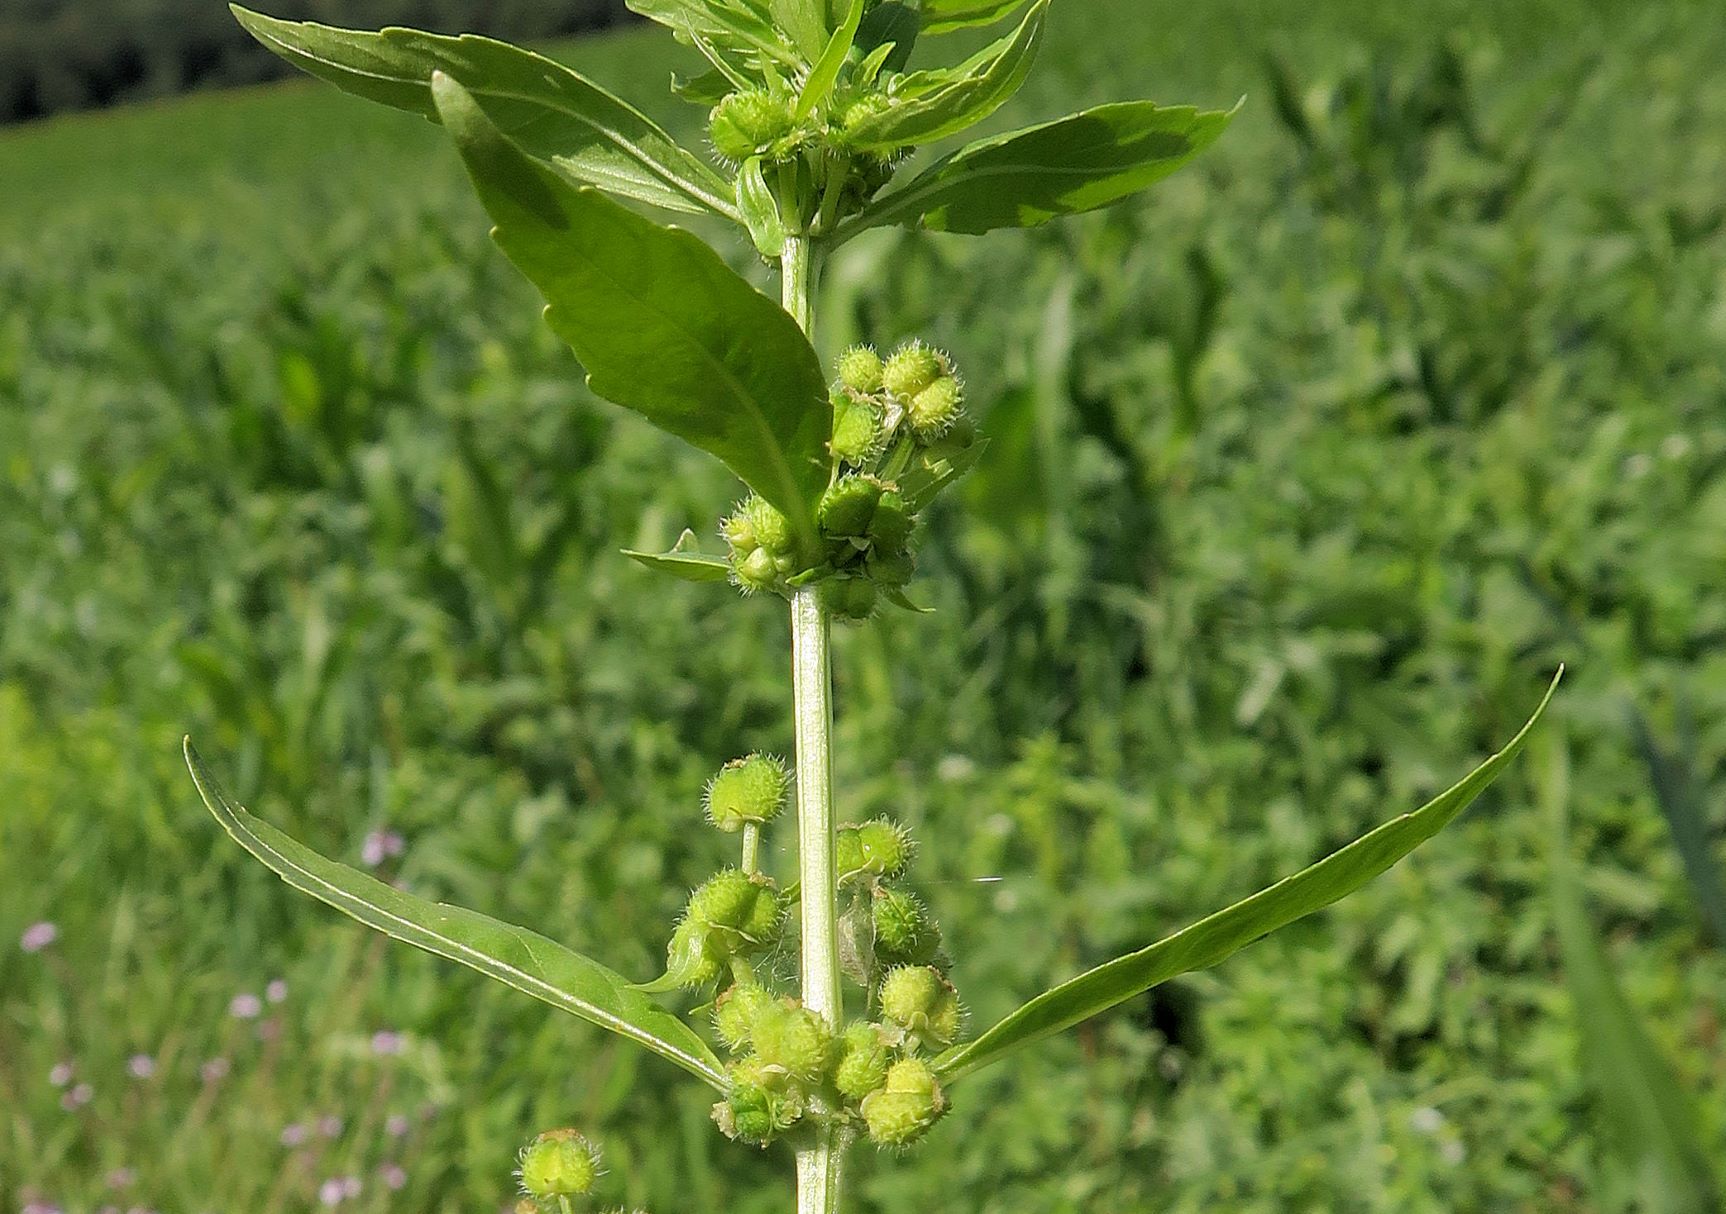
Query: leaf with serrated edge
column 662, row 324
column 1212, row 940
column 945, row 16
column 529, row 962
column 554, row 114
column 1074, row 164
column 945, row 103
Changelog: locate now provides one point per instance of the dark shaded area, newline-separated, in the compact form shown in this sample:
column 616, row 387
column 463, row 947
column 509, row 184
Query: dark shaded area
column 58, row 55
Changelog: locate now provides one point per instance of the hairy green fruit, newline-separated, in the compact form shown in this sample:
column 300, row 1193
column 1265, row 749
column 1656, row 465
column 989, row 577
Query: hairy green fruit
column 759, row 1106
column 739, row 532
column 691, row 959
column 862, row 1060
column 850, row 598
column 742, row 912
column 750, row 789
column 559, row 1163
column 892, row 569
column 912, row 368
column 848, row 506
column 795, row 1040
column 858, row 436
column 749, row 123
column 878, row 848
column 936, row 409
column 738, row 1010
column 905, row 932
column 907, row 1104
column 890, row 528
column 757, row 571
column 919, row 1000
column 860, row 370
column 772, row 530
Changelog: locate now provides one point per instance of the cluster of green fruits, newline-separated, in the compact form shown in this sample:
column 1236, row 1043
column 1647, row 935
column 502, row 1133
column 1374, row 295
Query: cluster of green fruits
column 762, row 123
column 895, row 421
column 555, row 1167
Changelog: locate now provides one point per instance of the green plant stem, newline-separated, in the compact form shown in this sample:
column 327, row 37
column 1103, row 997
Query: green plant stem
column 751, row 862
column 820, row 1161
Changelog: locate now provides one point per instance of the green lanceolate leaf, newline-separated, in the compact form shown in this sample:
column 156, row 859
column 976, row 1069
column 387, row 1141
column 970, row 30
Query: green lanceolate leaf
column 662, row 324
column 683, row 561
column 941, row 103
column 760, row 209
column 1212, row 940
column 1074, row 164
column 945, row 16
column 805, row 21
column 555, row 115
column 727, row 24
column 514, row 956
column 825, row 73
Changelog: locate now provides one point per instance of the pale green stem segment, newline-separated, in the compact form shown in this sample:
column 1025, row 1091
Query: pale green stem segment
column 751, row 862
column 819, row 1164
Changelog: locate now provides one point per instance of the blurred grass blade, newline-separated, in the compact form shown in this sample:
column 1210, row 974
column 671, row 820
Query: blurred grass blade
column 825, row 73
column 662, row 324
column 1675, row 792
column 945, row 16
column 1074, row 164
column 942, row 103
column 1653, row 1125
column 529, row 962
column 553, row 113
column 1212, row 940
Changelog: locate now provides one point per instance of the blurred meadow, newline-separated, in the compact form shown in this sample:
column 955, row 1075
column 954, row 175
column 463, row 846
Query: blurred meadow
column 1307, row 470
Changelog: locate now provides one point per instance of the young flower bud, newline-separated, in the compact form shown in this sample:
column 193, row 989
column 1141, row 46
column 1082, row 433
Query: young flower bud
column 857, row 432
column 905, row 932
column 738, row 1010
column 862, row 1061
column 848, row 506
column 907, row 1104
column 750, row 789
column 935, row 409
column 912, row 368
column 851, row 598
column 860, row 370
column 923, row 1003
column 795, row 1040
column 890, row 528
column 748, row 123
column 559, row 1163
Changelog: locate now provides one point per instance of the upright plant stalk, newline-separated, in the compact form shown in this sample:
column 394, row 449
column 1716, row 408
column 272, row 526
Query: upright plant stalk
column 820, row 1163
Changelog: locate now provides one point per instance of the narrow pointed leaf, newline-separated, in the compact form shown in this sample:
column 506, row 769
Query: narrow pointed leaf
column 805, row 21
column 662, row 324
column 525, row 960
column 690, row 566
column 945, row 16
column 554, row 114
column 1213, row 940
column 1074, row 164
column 760, row 209
column 939, row 104
column 826, row 71
column 728, row 26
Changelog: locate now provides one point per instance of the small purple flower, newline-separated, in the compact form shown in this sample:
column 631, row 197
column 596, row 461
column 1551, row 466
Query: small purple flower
column 121, row 1178
column 61, row 1075
column 38, row 936
column 140, row 1066
column 293, row 1135
column 396, row 1126
column 394, row 1178
column 330, row 1126
column 381, row 845
column 330, row 1192
column 245, row 1006
column 215, row 1070
column 78, row 1097
column 276, row 991
column 386, row 1043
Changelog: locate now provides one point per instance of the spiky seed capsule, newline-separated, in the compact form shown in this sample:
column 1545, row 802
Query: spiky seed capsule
column 794, row 1039
column 886, row 847
column 772, row 529
column 912, row 368
column 935, row 409
column 756, row 572
column 891, row 569
column 739, row 912
column 905, row 932
column 748, row 123
column 739, row 532
column 758, row 1107
column 848, row 506
column 737, row 1011
column 863, row 1058
column 919, row 1000
column 857, row 432
column 848, row 853
column 860, row 369
column 851, row 598
column 890, row 527
column 691, row 959
column 861, row 110
column 750, row 789
column 907, row 1104
column 559, row 1163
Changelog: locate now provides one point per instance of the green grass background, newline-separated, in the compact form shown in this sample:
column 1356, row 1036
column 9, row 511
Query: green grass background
column 1307, row 471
